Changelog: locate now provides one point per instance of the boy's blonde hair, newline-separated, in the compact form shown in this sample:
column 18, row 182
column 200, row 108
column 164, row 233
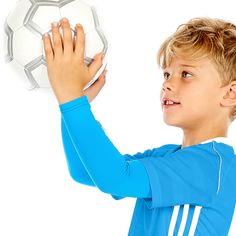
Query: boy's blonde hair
column 204, row 37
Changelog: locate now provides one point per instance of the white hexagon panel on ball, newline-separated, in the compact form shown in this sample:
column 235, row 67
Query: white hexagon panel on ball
column 78, row 11
column 42, row 15
column 16, row 17
column 26, row 46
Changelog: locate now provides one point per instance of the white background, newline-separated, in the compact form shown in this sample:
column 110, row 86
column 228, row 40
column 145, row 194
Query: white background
column 37, row 196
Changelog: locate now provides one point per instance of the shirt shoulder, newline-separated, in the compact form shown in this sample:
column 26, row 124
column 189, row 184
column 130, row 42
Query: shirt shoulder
column 190, row 175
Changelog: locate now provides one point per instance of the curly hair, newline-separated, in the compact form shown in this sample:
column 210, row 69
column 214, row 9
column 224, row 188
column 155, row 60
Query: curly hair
column 204, row 37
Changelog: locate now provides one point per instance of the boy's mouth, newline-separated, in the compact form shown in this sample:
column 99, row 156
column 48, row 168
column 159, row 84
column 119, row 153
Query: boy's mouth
column 169, row 102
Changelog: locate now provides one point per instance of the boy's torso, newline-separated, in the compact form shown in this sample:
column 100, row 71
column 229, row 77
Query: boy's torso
column 213, row 219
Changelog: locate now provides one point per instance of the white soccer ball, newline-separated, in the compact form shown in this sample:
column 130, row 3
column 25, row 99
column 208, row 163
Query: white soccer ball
column 30, row 19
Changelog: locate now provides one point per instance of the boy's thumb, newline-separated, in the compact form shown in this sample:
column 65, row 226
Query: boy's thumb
column 96, row 64
column 93, row 90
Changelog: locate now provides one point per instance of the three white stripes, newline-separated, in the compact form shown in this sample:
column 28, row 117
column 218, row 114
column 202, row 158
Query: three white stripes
column 194, row 222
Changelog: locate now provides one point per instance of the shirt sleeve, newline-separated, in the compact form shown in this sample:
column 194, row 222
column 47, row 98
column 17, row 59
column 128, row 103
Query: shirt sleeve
column 76, row 168
column 129, row 157
column 157, row 152
column 107, row 168
column 187, row 176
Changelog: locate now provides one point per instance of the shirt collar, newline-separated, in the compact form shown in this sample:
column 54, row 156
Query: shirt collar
column 225, row 140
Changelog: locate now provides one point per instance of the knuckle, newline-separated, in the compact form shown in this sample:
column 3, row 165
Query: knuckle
column 65, row 24
column 55, row 29
column 57, row 42
column 68, row 38
column 48, row 51
column 66, row 27
column 56, row 36
column 82, row 39
column 67, row 59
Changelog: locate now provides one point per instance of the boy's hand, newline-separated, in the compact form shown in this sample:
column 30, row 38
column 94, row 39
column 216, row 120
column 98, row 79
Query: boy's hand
column 67, row 72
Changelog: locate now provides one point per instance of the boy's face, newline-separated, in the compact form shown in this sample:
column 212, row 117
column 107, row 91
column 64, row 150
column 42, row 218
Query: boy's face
column 196, row 86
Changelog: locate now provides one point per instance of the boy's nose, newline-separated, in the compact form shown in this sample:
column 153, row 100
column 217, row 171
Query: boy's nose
column 166, row 86
column 170, row 84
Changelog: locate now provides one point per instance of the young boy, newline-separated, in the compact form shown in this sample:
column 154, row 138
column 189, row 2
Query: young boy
column 186, row 189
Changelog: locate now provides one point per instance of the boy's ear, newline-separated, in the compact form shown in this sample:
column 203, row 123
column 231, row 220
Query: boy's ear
column 229, row 98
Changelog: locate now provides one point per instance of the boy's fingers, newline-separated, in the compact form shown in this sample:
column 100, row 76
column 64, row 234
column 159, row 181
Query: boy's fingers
column 67, row 36
column 56, row 38
column 48, row 47
column 73, row 43
column 79, row 41
column 96, row 64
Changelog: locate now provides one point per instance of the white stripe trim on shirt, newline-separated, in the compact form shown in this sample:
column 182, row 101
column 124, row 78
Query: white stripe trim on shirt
column 195, row 219
column 173, row 220
column 184, row 220
column 219, row 174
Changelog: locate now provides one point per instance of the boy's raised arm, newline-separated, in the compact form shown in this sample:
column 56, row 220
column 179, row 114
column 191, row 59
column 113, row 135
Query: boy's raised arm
column 76, row 168
column 108, row 169
column 68, row 75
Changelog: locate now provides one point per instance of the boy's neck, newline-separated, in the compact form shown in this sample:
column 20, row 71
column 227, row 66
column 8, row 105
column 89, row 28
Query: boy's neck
column 196, row 137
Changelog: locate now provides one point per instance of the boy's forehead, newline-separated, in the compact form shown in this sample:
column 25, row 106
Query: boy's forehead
column 185, row 62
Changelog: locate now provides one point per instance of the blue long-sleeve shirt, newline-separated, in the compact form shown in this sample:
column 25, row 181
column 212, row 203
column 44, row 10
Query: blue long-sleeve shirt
column 179, row 191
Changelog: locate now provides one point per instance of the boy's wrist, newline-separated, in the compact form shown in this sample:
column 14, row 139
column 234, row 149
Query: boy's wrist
column 67, row 98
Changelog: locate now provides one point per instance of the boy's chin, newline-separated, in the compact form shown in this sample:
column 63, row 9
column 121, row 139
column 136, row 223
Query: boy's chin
column 172, row 123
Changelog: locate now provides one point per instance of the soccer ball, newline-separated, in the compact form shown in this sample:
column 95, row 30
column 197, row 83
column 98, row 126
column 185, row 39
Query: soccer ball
column 30, row 19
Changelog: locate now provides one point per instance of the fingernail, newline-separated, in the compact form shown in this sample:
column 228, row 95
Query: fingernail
column 64, row 19
column 55, row 24
column 46, row 35
column 78, row 25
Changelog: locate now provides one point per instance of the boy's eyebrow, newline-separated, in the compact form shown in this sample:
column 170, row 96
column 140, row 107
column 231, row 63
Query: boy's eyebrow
column 191, row 66
column 186, row 65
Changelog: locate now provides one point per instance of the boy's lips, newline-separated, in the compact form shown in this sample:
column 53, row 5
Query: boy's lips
column 165, row 101
column 168, row 102
column 169, row 105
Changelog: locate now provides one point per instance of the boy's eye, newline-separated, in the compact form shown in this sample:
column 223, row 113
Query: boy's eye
column 166, row 75
column 185, row 74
